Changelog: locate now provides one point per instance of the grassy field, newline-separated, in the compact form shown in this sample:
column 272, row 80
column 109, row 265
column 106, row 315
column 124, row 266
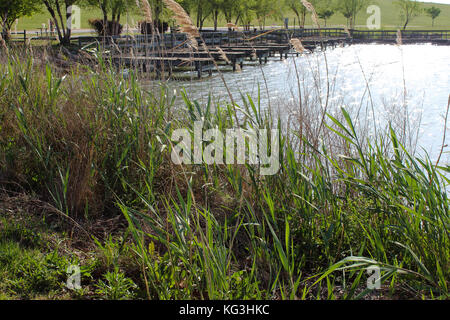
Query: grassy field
column 87, row 178
column 389, row 18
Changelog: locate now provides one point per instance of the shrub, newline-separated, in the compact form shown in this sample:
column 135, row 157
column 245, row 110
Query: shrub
column 113, row 28
column 146, row 28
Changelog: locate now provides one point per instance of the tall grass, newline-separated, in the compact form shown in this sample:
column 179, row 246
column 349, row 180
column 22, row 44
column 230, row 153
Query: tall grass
column 94, row 144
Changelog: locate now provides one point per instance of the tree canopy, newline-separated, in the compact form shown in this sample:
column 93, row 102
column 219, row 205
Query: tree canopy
column 247, row 13
column 409, row 9
column 433, row 13
column 10, row 10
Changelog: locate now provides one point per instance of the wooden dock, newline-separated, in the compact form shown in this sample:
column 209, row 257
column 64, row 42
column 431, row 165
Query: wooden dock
column 234, row 57
column 166, row 64
column 170, row 52
column 437, row 37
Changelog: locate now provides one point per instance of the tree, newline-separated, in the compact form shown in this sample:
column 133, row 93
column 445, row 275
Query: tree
column 265, row 8
column 299, row 9
column 231, row 8
column 245, row 12
column 349, row 9
column 216, row 7
column 115, row 8
column 409, row 9
column 325, row 14
column 433, row 13
column 10, row 10
column 55, row 8
column 202, row 8
column 325, row 10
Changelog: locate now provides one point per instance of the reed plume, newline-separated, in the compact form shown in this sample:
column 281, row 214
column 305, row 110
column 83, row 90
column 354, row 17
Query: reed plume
column 311, row 9
column 399, row 37
column 146, row 9
column 297, row 45
column 184, row 21
column 225, row 58
column 223, row 55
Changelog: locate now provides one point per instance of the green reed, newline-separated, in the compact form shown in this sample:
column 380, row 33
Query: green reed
column 92, row 143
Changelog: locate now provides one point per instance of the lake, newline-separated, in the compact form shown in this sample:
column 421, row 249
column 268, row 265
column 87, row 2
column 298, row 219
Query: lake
column 375, row 81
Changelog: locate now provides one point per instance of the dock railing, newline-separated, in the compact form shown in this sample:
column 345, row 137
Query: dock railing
column 222, row 37
column 408, row 35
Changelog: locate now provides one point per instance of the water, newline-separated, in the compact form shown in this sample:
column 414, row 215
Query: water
column 369, row 78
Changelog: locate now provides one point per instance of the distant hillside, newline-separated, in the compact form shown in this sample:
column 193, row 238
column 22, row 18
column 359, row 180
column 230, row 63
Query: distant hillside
column 390, row 18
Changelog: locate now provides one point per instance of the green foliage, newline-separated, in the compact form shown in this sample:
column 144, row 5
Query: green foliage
column 116, row 286
column 409, row 9
column 433, row 13
column 58, row 10
column 299, row 10
column 217, row 231
column 26, row 273
column 210, row 13
column 325, row 9
column 10, row 10
column 349, row 9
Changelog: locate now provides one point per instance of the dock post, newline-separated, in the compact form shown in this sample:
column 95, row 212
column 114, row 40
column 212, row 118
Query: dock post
column 199, row 69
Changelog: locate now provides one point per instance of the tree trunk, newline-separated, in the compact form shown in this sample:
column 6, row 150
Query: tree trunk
column 6, row 35
column 55, row 20
column 68, row 32
column 302, row 22
column 202, row 22
column 216, row 17
column 237, row 19
column 227, row 16
column 117, row 25
column 58, row 10
column 406, row 23
column 298, row 18
column 6, row 27
column 199, row 15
